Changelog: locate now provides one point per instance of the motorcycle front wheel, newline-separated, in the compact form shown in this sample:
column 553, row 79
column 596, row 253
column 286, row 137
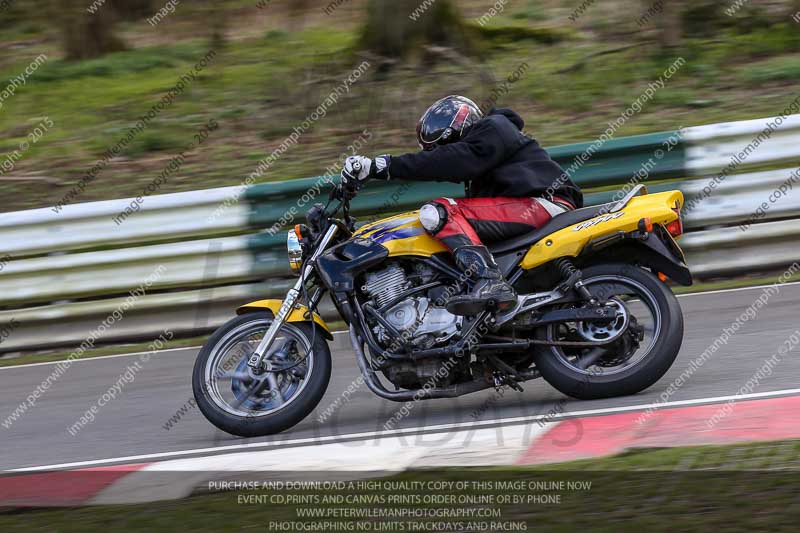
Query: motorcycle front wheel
column 238, row 401
column 647, row 333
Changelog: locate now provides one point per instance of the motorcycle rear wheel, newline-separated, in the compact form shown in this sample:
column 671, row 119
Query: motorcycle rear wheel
column 588, row 375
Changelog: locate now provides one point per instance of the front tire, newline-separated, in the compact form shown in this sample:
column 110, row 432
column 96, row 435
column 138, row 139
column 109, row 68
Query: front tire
column 561, row 367
column 262, row 414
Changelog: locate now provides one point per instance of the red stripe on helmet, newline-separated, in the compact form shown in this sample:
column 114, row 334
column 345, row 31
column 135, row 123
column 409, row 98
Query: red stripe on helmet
column 460, row 118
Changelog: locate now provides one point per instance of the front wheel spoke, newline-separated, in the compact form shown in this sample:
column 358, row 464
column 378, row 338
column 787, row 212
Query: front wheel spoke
column 254, row 390
column 275, row 389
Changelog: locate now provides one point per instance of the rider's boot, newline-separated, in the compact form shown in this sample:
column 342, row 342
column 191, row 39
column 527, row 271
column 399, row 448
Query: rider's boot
column 491, row 291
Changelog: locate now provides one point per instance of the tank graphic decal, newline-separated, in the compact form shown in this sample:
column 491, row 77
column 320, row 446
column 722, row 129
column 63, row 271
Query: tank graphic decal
column 401, row 233
column 377, row 229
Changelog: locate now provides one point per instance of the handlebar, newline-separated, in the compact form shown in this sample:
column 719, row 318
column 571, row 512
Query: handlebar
column 339, row 192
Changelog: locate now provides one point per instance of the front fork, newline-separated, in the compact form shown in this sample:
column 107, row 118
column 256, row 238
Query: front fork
column 256, row 361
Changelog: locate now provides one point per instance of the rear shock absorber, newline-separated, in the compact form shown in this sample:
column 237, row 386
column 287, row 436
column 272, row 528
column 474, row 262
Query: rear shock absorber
column 573, row 279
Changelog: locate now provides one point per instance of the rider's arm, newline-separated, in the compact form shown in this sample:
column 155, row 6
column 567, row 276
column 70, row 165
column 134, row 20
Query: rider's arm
column 468, row 159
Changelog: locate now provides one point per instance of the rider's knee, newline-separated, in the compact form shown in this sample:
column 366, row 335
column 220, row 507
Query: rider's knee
column 433, row 217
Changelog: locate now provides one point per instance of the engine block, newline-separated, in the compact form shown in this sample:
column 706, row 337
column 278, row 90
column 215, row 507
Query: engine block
column 421, row 323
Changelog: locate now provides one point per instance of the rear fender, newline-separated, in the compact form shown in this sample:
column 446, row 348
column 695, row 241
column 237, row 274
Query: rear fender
column 297, row 315
column 658, row 251
column 662, row 254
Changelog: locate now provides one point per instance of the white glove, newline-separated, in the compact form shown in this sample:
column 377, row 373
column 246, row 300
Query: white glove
column 356, row 170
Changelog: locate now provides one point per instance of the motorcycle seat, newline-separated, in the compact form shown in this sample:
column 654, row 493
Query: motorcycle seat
column 558, row 222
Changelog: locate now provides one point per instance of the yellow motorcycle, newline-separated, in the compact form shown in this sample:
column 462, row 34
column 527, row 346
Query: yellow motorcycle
column 594, row 316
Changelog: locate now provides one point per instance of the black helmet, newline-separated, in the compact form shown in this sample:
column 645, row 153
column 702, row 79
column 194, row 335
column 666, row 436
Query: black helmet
column 446, row 121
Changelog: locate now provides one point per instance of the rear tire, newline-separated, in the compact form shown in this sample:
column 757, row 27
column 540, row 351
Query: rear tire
column 285, row 417
column 641, row 375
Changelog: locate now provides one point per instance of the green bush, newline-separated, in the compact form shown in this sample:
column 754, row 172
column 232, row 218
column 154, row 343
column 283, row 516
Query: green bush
column 779, row 68
column 113, row 65
column 777, row 39
column 154, row 140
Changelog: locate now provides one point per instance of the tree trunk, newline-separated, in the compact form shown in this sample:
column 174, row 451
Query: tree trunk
column 135, row 9
column 397, row 27
column 670, row 25
column 215, row 14
column 297, row 14
column 88, row 35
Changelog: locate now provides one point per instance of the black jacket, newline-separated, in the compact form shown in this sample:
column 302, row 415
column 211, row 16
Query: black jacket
column 493, row 159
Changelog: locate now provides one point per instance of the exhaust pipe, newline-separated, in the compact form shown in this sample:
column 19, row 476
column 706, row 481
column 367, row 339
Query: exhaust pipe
column 374, row 384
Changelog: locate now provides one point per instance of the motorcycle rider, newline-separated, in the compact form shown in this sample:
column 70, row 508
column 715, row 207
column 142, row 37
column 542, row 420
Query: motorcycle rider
column 512, row 187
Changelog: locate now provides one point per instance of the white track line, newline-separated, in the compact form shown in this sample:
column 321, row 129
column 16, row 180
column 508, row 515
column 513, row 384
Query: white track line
column 738, row 289
column 427, row 429
column 81, row 360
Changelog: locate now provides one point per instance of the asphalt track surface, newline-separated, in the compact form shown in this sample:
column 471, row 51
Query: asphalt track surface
column 131, row 427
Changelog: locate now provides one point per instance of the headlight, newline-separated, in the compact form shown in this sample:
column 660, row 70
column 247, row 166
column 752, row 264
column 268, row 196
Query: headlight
column 295, row 251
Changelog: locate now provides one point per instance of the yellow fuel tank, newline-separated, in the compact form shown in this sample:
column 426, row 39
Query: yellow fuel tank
column 401, row 234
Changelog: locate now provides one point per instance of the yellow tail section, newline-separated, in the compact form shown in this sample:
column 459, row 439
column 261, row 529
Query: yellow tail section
column 569, row 242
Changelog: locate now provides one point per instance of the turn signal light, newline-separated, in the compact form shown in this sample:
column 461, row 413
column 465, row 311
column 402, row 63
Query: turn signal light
column 298, row 232
column 645, row 225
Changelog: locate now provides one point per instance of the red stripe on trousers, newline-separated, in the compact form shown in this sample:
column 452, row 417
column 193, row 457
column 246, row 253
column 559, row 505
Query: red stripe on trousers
column 526, row 211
